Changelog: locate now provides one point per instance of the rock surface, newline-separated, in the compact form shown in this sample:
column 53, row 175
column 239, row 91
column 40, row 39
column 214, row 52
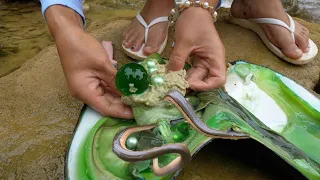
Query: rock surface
column 38, row 115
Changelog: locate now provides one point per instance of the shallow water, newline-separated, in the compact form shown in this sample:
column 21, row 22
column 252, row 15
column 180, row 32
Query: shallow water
column 23, row 33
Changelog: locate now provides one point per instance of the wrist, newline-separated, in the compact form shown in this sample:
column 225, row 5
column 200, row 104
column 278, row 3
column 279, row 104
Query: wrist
column 63, row 20
column 191, row 5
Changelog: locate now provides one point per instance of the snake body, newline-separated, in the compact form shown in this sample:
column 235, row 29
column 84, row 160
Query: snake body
column 120, row 149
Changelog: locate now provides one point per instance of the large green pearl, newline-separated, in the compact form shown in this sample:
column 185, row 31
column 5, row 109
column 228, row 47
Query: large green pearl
column 157, row 80
column 132, row 143
column 132, row 78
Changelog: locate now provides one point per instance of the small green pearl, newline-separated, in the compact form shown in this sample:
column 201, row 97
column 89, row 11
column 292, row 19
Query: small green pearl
column 177, row 137
column 132, row 143
column 183, row 127
column 187, row 66
column 157, row 80
column 152, row 70
column 151, row 64
column 157, row 57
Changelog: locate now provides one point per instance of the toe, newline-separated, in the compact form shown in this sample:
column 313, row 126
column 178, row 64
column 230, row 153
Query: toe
column 305, row 31
column 156, row 36
column 302, row 42
column 282, row 38
column 131, row 40
column 150, row 48
column 302, row 39
column 292, row 50
column 136, row 45
column 126, row 35
column 133, row 35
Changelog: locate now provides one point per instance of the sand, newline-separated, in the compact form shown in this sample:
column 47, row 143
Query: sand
column 38, row 115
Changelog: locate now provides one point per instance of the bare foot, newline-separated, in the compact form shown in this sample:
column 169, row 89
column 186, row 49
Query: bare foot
column 279, row 36
column 133, row 37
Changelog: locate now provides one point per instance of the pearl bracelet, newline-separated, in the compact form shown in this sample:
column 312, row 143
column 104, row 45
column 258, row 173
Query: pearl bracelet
column 197, row 3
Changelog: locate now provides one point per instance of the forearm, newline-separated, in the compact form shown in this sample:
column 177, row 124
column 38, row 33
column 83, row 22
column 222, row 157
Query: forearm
column 63, row 20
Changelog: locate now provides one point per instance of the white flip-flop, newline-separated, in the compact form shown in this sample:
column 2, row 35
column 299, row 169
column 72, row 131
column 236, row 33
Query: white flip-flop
column 139, row 55
column 253, row 24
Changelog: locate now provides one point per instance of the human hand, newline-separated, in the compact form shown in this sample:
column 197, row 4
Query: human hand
column 196, row 35
column 89, row 72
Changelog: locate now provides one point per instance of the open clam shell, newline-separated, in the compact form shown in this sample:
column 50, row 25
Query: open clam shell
column 274, row 111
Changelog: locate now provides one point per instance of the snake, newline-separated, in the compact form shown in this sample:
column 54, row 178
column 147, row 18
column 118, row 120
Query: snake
column 175, row 97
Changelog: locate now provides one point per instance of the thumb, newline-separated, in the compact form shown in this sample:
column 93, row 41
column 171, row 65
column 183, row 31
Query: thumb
column 178, row 56
column 107, row 75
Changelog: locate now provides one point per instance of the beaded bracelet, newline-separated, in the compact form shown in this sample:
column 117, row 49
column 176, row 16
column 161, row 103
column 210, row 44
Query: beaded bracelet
column 197, row 3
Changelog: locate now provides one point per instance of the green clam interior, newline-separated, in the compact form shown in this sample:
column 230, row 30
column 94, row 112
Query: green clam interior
column 286, row 120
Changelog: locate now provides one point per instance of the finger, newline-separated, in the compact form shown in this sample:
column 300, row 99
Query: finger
column 197, row 73
column 111, row 88
column 215, row 82
column 217, row 75
column 107, row 72
column 178, row 56
column 105, row 102
column 196, row 78
column 116, row 108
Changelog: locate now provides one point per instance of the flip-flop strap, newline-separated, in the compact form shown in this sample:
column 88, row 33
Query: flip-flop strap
column 277, row 22
column 148, row 26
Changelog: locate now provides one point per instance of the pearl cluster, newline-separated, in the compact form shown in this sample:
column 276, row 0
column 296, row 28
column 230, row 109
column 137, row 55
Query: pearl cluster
column 196, row 3
column 151, row 67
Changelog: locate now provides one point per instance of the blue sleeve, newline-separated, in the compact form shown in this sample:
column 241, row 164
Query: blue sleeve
column 76, row 5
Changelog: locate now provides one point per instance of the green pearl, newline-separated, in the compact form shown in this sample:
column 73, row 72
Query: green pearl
column 152, row 70
column 132, row 78
column 132, row 143
column 187, row 66
column 177, row 137
column 183, row 128
column 151, row 64
column 157, row 80
column 157, row 57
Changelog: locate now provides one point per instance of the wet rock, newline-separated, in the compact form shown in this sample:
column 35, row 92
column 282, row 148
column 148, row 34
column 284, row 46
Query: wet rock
column 10, row 49
column 35, row 33
column 12, row 30
column 36, row 105
column 26, row 10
